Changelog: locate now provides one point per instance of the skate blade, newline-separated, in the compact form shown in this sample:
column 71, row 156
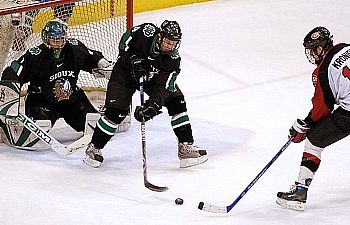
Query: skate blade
column 184, row 163
column 294, row 205
column 93, row 163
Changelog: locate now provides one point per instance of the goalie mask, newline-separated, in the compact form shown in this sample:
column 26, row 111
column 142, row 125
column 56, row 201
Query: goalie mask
column 316, row 44
column 169, row 37
column 54, row 36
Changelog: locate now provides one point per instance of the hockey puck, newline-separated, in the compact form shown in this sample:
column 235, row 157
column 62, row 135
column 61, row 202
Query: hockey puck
column 179, row 201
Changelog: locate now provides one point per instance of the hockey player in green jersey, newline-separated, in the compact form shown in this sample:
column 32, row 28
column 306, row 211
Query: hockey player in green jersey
column 151, row 52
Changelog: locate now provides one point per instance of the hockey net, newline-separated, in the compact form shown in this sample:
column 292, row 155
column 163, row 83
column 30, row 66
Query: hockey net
column 99, row 24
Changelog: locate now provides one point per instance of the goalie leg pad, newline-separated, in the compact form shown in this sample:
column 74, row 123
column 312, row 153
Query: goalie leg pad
column 9, row 98
column 14, row 134
column 90, row 123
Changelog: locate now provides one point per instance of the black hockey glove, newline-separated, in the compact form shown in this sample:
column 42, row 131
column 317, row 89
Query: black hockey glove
column 139, row 68
column 148, row 111
column 298, row 131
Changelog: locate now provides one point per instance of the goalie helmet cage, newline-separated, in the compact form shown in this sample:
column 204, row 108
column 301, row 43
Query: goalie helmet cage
column 99, row 24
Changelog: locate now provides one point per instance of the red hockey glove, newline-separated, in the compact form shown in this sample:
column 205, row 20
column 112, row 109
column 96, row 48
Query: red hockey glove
column 298, row 131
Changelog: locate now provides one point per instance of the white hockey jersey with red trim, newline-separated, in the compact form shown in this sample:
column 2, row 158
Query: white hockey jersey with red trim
column 332, row 83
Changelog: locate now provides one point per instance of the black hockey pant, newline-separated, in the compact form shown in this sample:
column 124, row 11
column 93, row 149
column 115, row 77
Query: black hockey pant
column 330, row 129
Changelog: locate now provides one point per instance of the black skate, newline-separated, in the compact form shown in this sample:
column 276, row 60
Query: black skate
column 294, row 199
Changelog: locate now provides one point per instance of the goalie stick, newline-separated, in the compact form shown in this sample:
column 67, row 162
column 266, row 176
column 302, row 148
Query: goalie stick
column 147, row 184
column 225, row 209
column 51, row 141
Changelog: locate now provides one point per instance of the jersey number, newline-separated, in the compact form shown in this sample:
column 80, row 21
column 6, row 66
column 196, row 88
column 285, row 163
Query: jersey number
column 346, row 72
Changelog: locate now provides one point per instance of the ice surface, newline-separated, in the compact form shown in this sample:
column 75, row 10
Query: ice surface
column 246, row 80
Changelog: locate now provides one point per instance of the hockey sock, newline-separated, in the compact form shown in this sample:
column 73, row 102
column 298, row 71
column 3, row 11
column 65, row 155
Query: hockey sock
column 310, row 163
column 104, row 131
column 182, row 127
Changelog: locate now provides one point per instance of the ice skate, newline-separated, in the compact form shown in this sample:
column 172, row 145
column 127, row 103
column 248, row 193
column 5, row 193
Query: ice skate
column 93, row 156
column 294, row 199
column 191, row 155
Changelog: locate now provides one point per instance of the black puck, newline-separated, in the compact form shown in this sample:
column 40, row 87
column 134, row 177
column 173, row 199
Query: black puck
column 200, row 205
column 179, row 201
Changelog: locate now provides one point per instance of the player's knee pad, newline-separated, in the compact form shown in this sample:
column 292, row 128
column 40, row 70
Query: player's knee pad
column 115, row 115
column 176, row 105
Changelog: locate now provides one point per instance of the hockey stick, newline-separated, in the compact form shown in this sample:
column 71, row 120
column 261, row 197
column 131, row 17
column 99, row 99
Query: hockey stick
column 225, row 209
column 148, row 185
column 51, row 141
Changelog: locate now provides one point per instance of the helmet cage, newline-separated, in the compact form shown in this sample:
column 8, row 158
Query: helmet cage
column 162, row 40
column 310, row 55
column 54, row 30
column 170, row 30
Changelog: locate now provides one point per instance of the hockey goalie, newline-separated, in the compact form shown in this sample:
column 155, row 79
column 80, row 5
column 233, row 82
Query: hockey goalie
column 52, row 70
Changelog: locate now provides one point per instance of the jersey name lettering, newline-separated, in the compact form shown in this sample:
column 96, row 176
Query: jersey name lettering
column 341, row 59
column 62, row 74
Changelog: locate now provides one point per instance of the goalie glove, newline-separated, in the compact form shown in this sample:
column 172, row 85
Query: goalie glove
column 104, row 69
column 298, row 131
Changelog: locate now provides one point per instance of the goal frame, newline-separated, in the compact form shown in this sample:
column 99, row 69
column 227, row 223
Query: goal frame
column 34, row 5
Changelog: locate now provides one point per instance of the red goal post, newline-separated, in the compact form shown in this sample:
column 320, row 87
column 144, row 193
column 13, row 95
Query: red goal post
column 99, row 24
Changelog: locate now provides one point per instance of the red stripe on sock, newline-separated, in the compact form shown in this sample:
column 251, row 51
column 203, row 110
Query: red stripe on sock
column 311, row 157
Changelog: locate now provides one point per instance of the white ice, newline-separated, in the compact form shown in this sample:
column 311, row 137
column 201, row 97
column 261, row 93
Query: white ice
column 246, row 79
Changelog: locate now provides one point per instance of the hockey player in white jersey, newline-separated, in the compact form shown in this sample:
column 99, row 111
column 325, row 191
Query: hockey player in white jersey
column 329, row 119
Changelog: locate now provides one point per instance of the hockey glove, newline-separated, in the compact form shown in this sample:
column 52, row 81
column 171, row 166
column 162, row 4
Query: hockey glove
column 148, row 111
column 298, row 131
column 139, row 68
column 104, row 69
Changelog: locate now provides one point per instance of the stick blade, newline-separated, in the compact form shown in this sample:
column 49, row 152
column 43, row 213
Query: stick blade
column 212, row 208
column 153, row 187
column 77, row 145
